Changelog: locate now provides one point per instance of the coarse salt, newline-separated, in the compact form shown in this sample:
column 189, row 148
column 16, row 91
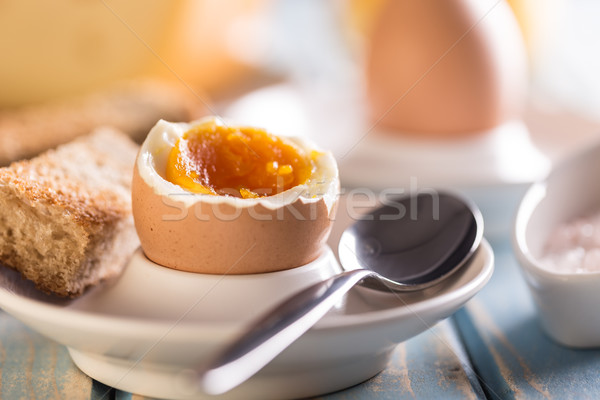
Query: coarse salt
column 574, row 247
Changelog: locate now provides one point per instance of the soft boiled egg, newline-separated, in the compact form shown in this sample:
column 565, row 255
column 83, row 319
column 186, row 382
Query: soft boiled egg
column 210, row 197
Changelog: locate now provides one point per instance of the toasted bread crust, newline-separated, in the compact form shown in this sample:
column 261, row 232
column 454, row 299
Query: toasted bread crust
column 132, row 107
column 65, row 216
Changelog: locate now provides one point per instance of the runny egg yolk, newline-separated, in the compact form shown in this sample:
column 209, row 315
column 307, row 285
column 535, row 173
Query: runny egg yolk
column 236, row 161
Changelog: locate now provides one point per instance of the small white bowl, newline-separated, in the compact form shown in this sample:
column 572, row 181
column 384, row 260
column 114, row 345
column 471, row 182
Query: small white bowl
column 567, row 302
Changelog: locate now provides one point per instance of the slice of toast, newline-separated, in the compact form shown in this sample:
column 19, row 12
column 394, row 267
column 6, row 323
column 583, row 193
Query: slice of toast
column 65, row 216
column 132, row 107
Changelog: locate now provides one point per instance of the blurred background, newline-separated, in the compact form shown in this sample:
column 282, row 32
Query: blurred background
column 337, row 71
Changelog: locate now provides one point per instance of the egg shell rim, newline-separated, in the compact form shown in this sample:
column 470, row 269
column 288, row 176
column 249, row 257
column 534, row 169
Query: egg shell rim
column 326, row 162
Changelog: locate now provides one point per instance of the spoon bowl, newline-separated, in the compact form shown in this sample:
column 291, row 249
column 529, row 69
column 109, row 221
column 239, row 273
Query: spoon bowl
column 439, row 232
column 413, row 242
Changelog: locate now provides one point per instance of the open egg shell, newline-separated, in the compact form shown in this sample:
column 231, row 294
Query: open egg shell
column 218, row 234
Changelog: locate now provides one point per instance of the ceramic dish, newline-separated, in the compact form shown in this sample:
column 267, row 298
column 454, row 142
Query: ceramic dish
column 144, row 332
column 567, row 302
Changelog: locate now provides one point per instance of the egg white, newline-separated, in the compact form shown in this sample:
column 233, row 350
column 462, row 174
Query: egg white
column 154, row 153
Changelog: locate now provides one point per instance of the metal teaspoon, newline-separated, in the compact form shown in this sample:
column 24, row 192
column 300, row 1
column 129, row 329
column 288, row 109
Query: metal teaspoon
column 410, row 243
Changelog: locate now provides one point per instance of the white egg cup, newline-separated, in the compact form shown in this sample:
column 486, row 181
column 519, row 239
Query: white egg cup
column 494, row 167
column 567, row 302
column 213, row 298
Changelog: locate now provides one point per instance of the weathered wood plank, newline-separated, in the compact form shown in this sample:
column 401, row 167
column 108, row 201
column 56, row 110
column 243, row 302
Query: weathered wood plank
column 32, row 366
column 424, row 367
column 509, row 350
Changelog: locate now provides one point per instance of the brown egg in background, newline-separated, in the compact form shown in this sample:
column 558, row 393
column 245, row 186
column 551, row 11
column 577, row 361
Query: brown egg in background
column 445, row 69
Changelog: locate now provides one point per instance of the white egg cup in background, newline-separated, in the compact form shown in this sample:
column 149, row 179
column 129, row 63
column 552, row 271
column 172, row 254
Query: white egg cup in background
column 494, row 168
column 145, row 332
column 567, row 303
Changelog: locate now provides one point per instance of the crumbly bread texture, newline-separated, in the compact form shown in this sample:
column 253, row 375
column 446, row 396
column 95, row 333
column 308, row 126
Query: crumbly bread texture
column 65, row 216
column 132, row 107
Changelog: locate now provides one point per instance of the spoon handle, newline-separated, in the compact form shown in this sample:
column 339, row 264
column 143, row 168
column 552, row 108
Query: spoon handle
column 275, row 331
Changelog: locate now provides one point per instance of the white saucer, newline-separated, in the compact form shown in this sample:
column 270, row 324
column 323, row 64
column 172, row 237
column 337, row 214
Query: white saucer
column 145, row 332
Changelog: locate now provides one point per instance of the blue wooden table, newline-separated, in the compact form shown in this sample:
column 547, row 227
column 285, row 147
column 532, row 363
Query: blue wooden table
column 494, row 344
